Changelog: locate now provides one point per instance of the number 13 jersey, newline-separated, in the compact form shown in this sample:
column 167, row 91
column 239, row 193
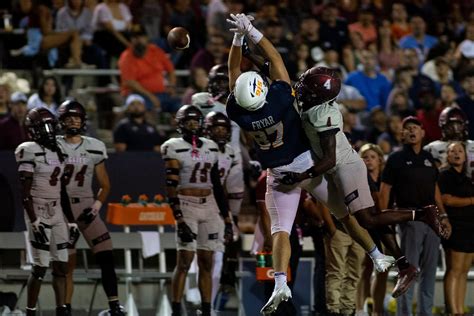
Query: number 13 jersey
column 275, row 127
column 194, row 167
column 81, row 160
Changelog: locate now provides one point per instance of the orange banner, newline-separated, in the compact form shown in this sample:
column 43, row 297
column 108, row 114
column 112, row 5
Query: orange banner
column 137, row 214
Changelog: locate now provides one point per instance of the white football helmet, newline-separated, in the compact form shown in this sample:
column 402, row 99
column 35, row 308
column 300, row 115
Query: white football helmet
column 250, row 90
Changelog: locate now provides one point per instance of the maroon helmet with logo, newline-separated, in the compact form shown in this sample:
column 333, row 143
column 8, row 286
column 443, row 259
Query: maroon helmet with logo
column 316, row 86
column 41, row 125
column 214, row 119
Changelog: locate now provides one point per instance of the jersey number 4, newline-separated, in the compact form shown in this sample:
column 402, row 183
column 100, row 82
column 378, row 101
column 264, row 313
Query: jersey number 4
column 263, row 137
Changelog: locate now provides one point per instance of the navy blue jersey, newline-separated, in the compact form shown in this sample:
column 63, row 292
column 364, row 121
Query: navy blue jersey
column 275, row 128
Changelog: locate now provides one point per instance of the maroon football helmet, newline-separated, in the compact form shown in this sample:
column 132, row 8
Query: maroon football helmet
column 214, row 119
column 42, row 125
column 453, row 122
column 316, row 86
column 72, row 108
column 218, row 85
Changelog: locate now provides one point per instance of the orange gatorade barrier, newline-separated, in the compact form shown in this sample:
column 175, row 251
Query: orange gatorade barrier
column 139, row 214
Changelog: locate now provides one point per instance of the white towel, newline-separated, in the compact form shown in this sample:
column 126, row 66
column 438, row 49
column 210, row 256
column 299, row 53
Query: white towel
column 29, row 252
column 150, row 244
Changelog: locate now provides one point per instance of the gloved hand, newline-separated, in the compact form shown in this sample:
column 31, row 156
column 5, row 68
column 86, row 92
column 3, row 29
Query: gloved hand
column 39, row 232
column 73, row 234
column 228, row 233
column 291, row 178
column 241, row 23
column 88, row 214
column 185, row 233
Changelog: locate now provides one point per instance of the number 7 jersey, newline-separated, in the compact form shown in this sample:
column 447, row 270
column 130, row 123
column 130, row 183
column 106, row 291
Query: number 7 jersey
column 81, row 160
column 194, row 168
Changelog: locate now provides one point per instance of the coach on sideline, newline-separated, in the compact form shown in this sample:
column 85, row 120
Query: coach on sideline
column 410, row 175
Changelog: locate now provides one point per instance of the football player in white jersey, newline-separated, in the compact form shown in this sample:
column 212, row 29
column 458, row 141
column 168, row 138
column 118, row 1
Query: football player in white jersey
column 217, row 127
column 214, row 101
column 40, row 167
column 197, row 197
column 85, row 158
column 454, row 127
column 344, row 170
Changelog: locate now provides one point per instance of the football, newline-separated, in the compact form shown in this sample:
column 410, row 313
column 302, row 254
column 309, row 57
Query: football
column 178, row 38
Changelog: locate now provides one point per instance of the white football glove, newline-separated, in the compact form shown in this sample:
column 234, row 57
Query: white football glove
column 241, row 23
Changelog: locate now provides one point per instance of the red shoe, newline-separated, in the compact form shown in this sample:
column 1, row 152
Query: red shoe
column 405, row 279
column 431, row 218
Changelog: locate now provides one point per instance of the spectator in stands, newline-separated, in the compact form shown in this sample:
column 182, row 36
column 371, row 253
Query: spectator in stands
column 217, row 22
column 134, row 133
column 350, row 97
column 75, row 16
column 4, row 99
column 399, row 103
column 418, row 39
column 365, row 26
column 448, row 95
column 457, row 192
column 400, row 26
column 199, row 82
column 41, row 37
column 388, row 50
column 428, row 114
column 331, row 60
column 374, row 86
column 410, row 176
column 352, row 53
column 12, row 129
column 111, row 21
column 214, row 53
column 354, row 133
column 377, row 124
column 300, row 61
column 273, row 30
column 182, row 14
column 309, row 35
column 391, row 140
column 466, row 101
column 410, row 60
column 464, row 54
column 333, row 29
column 48, row 95
column 141, row 69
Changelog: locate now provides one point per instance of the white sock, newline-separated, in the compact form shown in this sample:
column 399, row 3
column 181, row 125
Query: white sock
column 280, row 279
column 375, row 253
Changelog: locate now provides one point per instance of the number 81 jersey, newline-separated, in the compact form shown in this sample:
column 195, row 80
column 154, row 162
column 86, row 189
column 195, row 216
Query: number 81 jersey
column 81, row 160
column 194, row 164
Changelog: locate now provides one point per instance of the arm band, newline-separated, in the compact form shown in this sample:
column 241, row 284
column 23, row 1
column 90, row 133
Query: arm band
column 175, row 205
column 172, row 171
column 255, row 35
column 238, row 40
column 172, row 183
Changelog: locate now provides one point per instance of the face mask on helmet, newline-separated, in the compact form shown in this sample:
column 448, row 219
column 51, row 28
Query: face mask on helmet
column 191, row 126
column 70, row 126
column 251, row 91
column 44, row 133
column 220, row 134
column 455, row 130
column 218, row 86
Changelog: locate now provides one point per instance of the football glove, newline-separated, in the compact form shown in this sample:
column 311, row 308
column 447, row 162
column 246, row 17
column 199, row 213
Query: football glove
column 39, row 232
column 228, row 233
column 73, row 234
column 185, row 233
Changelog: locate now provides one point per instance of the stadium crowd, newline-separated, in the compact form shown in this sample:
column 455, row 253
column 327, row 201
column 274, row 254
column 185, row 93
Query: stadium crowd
column 405, row 66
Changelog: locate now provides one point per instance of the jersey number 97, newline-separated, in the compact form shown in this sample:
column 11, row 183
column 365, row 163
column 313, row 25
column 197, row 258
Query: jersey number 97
column 270, row 137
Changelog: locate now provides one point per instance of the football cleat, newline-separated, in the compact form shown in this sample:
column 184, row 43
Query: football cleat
column 406, row 277
column 384, row 263
column 279, row 295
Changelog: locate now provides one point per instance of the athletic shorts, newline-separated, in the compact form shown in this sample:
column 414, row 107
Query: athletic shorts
column 201, row 214
column 96, row 233
column 51, row 216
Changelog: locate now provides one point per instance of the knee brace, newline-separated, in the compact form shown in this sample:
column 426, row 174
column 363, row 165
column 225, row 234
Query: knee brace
column 60, row 269
column 105, row 259
column 38, row 272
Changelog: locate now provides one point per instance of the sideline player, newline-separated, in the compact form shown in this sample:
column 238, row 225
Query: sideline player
column 196, row 195
column 85, row 158
column 40, row 167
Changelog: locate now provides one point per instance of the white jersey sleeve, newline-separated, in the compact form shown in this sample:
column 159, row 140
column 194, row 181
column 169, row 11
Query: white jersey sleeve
column 46, row 167
column 438, row 149
column 325, row 117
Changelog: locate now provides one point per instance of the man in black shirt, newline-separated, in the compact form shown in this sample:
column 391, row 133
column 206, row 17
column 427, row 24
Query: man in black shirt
column 134, row 133
column 410, row 175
